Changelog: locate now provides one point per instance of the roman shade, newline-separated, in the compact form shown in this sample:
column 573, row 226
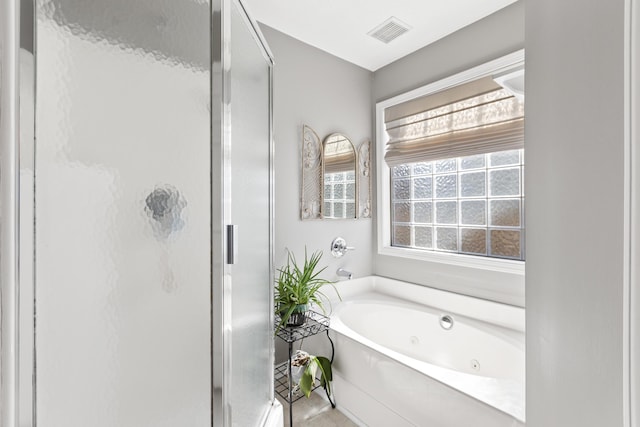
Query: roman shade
column 473, row 118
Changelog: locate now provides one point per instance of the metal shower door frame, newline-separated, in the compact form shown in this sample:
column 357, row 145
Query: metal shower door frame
column 9, row 209
column 221, row 71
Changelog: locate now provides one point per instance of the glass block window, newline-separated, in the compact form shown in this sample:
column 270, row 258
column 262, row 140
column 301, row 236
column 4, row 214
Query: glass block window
column 339, row 195
column 470, row 205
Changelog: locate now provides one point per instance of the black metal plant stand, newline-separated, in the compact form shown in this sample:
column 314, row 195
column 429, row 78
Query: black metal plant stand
column 315, row 324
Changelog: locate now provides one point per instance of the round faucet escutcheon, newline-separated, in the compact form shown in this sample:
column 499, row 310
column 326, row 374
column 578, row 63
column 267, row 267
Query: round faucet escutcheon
column 339, row 247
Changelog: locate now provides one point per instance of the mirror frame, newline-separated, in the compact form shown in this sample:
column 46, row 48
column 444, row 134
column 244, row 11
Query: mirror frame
column 312, row 180
column 311, row 187
column 363, row 179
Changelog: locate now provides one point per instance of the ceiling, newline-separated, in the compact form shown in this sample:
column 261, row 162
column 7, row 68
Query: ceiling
column 340, row 27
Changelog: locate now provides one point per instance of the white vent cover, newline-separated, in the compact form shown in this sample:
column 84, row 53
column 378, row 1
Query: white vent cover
column 389, row 30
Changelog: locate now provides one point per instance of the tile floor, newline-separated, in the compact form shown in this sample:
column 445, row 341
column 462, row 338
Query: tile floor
column 315, row 412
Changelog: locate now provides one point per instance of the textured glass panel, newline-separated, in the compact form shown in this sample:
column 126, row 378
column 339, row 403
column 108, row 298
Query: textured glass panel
column 504, row 182
column 446, row 212
column 448, row 165
column 473, row 240
column 338, row 189
column 422, row 212
column 504, row 158
column 338, row 210
column 423, row 168
column 446, row 186
column 350, row 208
column 401, row 212
column 473, row 184
column 327, row 211
column 350, row 176
column 123, row 203
column 401, row 171
column 250, row 388
column 422, row 188
column 465, row 202
column 328, row 194
column 423, row 237
column 473, row 162
column 351, row 191
column 505, row 243
column 447, row 239
column 473, row 212
column 504, row 213
column 401, row 189
column 401, row 235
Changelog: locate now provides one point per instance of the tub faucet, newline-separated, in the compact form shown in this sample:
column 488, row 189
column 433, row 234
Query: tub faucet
column 344, row 273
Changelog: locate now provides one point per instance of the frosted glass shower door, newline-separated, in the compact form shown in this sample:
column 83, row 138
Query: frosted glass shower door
column 250, row 339
column 123, row 213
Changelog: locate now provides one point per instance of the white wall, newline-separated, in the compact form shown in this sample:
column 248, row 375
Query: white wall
column 575, row 213
column 492, row 37
column 315, row 88
column 331, row 95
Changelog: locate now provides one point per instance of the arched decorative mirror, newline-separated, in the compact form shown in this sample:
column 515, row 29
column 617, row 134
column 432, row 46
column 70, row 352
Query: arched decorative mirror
column 339, row 195
column 336, row 178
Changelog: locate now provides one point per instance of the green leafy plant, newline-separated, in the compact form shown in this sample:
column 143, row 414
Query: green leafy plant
column 297, row 286
column 307, row 381
column 311, row 366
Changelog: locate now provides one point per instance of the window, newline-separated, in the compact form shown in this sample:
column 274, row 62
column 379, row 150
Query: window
column 451, row 178
column 471, row 205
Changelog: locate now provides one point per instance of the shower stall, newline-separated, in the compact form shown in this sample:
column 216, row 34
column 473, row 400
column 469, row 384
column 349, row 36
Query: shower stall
column 135, row 214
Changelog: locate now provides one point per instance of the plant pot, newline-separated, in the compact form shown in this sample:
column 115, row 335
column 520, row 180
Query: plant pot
column 296, row 373
column 298, row 317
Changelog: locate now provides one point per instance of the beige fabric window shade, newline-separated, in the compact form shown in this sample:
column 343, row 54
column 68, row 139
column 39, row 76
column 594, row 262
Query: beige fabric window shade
column 341, row 162
column 474, row 118
column 338, row 154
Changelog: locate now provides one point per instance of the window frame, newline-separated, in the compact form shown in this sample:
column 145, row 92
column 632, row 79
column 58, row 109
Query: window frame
column 383, row 179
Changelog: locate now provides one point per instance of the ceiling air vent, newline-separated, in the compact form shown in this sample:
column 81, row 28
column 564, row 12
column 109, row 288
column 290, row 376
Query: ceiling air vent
column 389, row 30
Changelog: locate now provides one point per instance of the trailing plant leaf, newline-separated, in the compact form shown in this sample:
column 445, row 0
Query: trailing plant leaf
column 308, row 379
column 326, row 370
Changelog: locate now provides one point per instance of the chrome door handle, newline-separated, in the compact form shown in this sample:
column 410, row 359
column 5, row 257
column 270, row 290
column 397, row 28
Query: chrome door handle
column 232, row 244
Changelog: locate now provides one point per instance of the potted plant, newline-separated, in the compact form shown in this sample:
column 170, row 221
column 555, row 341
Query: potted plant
column 297, row 287
column 307, row 367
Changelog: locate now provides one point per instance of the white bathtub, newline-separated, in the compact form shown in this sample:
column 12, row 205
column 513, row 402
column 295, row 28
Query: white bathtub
column 395, row 365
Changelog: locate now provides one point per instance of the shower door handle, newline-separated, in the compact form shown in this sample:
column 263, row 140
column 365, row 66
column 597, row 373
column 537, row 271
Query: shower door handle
column 232, row 243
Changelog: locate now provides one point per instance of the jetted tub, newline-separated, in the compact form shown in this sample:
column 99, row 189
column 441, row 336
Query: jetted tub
column 409, row 355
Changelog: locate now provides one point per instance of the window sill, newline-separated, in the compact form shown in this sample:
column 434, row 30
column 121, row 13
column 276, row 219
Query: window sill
column 469, row 261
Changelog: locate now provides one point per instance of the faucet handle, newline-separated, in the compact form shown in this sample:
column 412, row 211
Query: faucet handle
column 339, row 247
